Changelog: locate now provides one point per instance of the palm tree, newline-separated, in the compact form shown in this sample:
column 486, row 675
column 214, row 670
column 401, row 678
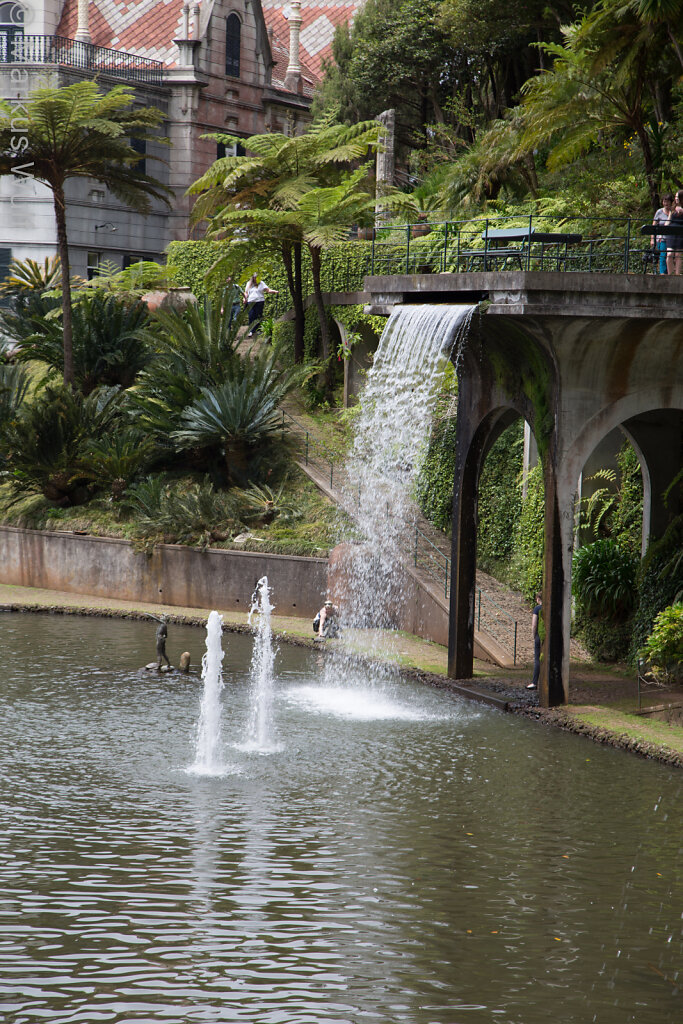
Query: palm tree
column 602, row 82
column 79, row 132
column 262, row 192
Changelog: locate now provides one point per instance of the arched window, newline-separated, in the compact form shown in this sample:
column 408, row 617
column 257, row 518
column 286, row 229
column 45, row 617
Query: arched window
column 233, row 31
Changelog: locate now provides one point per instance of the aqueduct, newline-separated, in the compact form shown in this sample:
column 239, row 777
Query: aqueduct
column 576, row 355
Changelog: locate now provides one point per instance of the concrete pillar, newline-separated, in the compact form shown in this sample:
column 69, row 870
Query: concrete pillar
column 385, row 162
column 83, row 29
column 293, row 73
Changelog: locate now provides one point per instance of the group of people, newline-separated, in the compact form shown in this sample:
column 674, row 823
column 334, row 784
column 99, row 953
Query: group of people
column 253, row 296
column 669, row 247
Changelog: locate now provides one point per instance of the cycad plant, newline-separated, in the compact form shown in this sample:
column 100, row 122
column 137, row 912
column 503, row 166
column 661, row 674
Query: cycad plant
column 30, row 276
column 109, row 341
column 46, row 446
column 199, row 514
column 193, row 348
column 113, row 461
column 242, row 414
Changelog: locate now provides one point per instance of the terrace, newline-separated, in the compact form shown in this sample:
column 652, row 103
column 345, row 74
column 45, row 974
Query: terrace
column 70, row 53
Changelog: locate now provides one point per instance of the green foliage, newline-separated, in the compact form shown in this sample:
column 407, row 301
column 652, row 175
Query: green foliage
column 76, row 131
column 434, row 485
column 353, row 319
column 46, row 447
column 194, row 348
column 241, row 414
column 108, row 344
column 198, row 514
column 526, row 566
column 114, row 460
column 29, row 276
column 660, row 581
column 664, row 646
column 191, row 263
column 434, row 488
column 500, row 498
column 140, row 277
column 604, row 638
column 604, row 579
column 626, row 526
column 14, row 382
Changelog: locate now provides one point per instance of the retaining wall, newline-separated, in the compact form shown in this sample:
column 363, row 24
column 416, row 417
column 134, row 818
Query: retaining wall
column 174, row 575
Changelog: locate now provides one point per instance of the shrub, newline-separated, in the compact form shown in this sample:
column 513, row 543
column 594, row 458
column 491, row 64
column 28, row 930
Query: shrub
column 603, row 638
column 242, row 414
column 108, row 348
column 46, row 446
column 664, row 646
column 198, row 515
column 604, row 579
column 660, row 581
column 526, row 565
column 500, row 498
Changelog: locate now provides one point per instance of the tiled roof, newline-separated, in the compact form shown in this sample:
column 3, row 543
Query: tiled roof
column 148, row 28
column 318, row 22
column 279, row 48
column 145, row 27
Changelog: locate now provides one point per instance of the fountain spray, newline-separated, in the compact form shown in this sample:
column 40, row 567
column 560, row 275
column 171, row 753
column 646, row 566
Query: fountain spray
column 208, row 759
column 260, row 735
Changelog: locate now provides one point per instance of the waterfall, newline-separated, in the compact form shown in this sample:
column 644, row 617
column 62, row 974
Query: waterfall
column 260, row 734
column 391, row 438
column 208, row 756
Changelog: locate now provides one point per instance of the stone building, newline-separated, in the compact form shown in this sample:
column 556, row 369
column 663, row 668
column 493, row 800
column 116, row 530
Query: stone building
column 214, row 66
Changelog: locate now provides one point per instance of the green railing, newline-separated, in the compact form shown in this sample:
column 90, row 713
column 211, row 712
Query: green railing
column 547, row 244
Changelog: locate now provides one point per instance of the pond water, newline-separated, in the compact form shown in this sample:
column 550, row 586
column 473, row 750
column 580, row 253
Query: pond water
column 400, row 856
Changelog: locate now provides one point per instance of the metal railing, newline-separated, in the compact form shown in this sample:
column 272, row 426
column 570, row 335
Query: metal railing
column 606, row 246
column 425, row 554
column 71, row 53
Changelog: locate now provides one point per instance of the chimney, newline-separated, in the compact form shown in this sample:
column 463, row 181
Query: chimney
column 293, row 73
column 195, row 22
column 83, row 29
column 186, row 21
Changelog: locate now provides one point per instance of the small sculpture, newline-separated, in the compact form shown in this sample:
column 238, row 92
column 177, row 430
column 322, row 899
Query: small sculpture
column 162, row 634
column 184, row 663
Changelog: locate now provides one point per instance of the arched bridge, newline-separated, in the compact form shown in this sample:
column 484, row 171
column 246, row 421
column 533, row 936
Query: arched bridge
column 576, row 355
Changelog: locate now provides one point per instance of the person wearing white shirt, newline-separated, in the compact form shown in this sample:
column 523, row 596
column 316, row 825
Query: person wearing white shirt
column 255, row 297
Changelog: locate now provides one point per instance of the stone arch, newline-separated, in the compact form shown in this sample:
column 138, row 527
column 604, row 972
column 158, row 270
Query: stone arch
column 655, row 433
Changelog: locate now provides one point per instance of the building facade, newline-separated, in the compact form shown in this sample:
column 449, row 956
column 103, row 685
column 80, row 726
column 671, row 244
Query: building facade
column 215, row 66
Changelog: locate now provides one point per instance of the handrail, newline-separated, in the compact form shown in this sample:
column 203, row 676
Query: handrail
column 73, row 53
column 426, row 555
column 595, row 245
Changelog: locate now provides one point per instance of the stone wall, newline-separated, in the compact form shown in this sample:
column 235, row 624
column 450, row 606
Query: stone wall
column 173, row 575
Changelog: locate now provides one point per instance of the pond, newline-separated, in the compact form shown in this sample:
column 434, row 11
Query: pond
column 400, row 856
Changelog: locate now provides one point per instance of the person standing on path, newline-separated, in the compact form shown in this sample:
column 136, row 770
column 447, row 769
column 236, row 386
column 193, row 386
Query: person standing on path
column 535, row 615
column 255, row 297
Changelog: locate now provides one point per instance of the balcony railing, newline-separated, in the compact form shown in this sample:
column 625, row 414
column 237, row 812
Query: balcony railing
column 70, row 53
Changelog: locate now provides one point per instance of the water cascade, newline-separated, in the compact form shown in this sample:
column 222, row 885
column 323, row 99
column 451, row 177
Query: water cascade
column 391, row 437
column 260, row 734
column 208, row 757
